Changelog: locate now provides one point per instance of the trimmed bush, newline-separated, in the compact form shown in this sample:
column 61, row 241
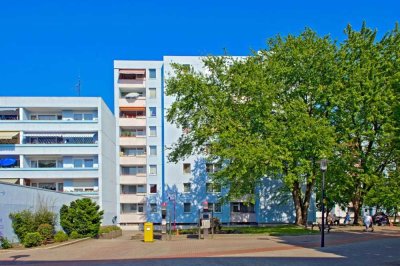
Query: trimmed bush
column 46, row 231
column 5, row 244
column 75, row 235
column 32, row 240
column 108, row 228
column 60, row 236
column 83, row 216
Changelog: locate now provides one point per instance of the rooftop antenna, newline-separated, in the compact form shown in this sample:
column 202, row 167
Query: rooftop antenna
column 78, row 85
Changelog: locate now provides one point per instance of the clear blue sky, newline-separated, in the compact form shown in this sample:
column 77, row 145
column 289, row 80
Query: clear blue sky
column 45, row 45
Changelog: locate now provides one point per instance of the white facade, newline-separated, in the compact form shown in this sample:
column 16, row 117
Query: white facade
column 66, row 144
column 185, row 186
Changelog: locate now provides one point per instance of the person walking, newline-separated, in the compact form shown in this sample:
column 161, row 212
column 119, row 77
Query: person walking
column 347, row 218
column 368, row 222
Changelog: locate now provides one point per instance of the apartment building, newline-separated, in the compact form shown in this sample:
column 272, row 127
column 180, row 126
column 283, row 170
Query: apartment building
column 61, row 144
column 147, row 179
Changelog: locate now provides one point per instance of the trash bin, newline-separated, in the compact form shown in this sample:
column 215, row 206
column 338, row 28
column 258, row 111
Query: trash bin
column 148, row 232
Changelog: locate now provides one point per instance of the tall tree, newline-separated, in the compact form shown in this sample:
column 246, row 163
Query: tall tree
column 264, row 115
column 363, row 116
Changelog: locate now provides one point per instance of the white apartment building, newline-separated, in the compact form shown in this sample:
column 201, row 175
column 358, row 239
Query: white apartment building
column 147, row 179
column 65, row 144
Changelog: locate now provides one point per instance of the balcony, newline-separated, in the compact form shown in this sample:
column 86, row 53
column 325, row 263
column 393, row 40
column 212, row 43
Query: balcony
column 49, row 173
column 60, row 138
column 132, row 218
column 132, row 198
column 237, row 217
column 9, row 114
column 129, row 122
column 132, row 160
column 133, row 102
column 133, row 179
column 132, row 141
column 132, row 78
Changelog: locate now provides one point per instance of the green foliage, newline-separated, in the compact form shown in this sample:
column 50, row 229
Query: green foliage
column 75, row 235
column 60, row 236
column 278, row 112
column 32, row 240
column 108, row 229
column 4, row 243
column 26, row 221
column 22, row 223
column 46, row 231
column 82, row 216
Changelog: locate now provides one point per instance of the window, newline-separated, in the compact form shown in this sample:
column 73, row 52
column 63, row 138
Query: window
column 45, row 163
column 186, row 187
column 46, row 117
column 141, row 189
column 213, row 188
column 153, row 131
column 152, row 93
column 153, row 169
column 215, row 207
column 153, row 188
column 136, row 132
column 153, row 111
column 83, row 116
column 153, row 207
column 186, row 207
column 133, row 151
column 140, row 208
column 212, row 168
column 128, row 189
column 153, row 150
column 50, row 186
column 186, row 168
column 133, row 170
column 83, row 163
column 242, row 207
column 152, row 73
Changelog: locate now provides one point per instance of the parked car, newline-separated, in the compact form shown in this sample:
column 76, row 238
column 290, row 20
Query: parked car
column 380, row 218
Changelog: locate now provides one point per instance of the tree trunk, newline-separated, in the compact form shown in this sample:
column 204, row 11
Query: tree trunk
column 301, row 206
column 357, row 206
column 296, row 194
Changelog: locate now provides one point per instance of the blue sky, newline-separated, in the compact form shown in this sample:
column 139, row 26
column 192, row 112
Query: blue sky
column 46, row 45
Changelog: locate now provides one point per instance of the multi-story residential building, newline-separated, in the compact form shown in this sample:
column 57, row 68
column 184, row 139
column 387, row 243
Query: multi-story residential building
column 61, row 144
column 147, row 179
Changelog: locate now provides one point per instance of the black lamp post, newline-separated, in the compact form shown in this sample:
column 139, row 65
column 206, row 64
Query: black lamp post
column 323, row 167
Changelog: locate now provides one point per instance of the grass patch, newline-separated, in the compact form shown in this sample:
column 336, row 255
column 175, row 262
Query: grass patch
column 278, row 230
column 273, row 230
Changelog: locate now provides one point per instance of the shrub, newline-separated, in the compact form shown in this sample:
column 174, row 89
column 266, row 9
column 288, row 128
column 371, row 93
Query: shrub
column 108, row 228
column 46, row 231
column 5, row 244
column 26, row 221
column 75, row 235
column 82, row 216
column 32, row 240
column 22, row 223
column 60, row 236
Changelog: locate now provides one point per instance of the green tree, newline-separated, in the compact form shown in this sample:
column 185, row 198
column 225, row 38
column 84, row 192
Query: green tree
column 82, row 216
column 363, row 116
column 264, row 115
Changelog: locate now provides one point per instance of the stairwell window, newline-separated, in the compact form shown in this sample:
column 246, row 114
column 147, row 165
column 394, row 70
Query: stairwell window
column 152, row 93
column 153, row 111
column 153, row 150
column 153, row 188
column 186, row 187
column 153, row 169
column 152, row 73
column 186, row 168
column 153, row 131
column 187, row 207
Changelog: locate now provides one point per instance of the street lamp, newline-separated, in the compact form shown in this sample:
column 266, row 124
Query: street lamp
column 323, row 167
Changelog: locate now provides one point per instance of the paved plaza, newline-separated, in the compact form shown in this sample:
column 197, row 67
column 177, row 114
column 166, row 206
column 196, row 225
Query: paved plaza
column 343, row 247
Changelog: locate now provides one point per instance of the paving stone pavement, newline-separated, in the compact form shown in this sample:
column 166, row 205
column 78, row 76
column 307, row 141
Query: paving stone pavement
column 342, row 246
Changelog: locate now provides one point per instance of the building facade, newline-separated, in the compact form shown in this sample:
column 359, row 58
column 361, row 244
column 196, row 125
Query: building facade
column 61, row 144
column 147, row 179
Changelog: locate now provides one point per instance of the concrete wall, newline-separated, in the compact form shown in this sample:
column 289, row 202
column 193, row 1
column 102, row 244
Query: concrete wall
column 107, row 161
column 14, row 198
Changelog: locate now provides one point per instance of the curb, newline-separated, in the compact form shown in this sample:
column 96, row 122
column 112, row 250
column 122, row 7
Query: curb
column 44, row 247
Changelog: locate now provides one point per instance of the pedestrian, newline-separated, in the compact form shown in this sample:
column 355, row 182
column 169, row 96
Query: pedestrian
column 347, row 218
column 368, row 222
